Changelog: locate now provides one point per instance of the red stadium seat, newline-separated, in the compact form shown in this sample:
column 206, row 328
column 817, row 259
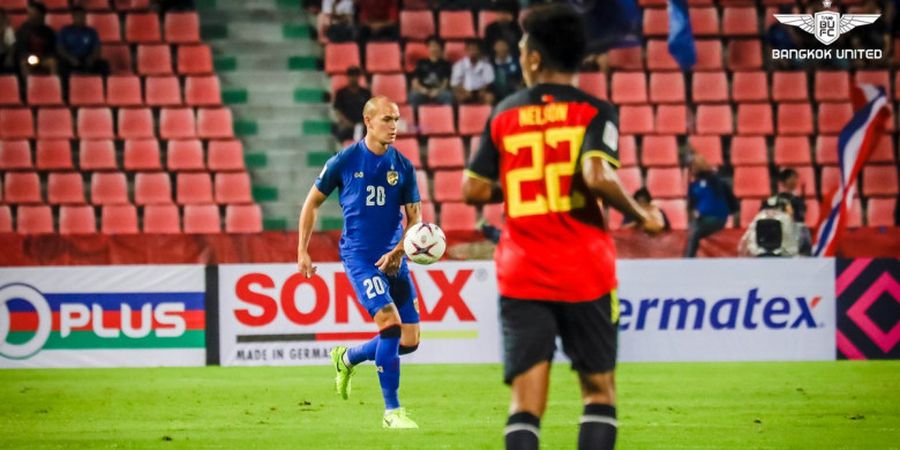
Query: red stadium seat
column 86, row 90
column 807, row 185
column 416, row 25
column 193, row 188
column 880, row 78
column 77, row 220
column 709, row 87
column 162, row 219
column 119, row 219
column 629, row 88
column 628, row 58
column 831, row 178
column 227, row 155
column 436, row 120
column 740, row 21
column 118, row 56
column 185, row 155
column 614, row 219
column 95, row 123
column 445, row 153
column 53, row 5
column 710, row 147
column 709, row 55
column 142, row 28
column 671, row 119
column 109, row 188
column 752, row 182
column 21, row 187
column 54, row 123
column 883, row 151
column 593, row 83
column 152, row 188
column 630, row 177
column 9, row 90
column 627, row 151
column 795, row 119
column 182, row 27
column 790, row 86
column 879, row 181
column 383, row 57
column 833, row 117
column 412, row 53
column 880, row 212
column 341, row 56
column 473, row 118
column 704, row 21
column 107, row 26
column 493, row 214
column 202, row 219
column 124, row 90
column 202, row 91
column 659, row 151
column 53, row 154
column 195, row 60
column 393, row 86
column 485, row 18
column 658, row 56
column 636, row 119
column 422, row 183
column 754, row 119
column 243, row 219
column 812, row 213
column 454, row 51
column 792, row 151
column 714, row 119
column 142, row 154
column 855, row 218
column 15, row 155
column 676, row 212
column 409, row 147
column 135, row 123
column 749, row 209
column 44, row 90
column 448, row 186
column 177, row 123
column 832, row 86
column 95, row 5
column 666, row 183
column 407, row 123
column 428, row 214
column 97, row 155
column 749, row 151
column 65, row 188
column 456, row 24
column 129, row 5
column 6, row 225
column 744, row 54
column 16, row 123
column 826, row 150
column 656, row 22
column 233, row 187
column 163, row 91
column 457, row 217
column 750, row 87
column 154, row 59
column 34, row 220
column 215, row 123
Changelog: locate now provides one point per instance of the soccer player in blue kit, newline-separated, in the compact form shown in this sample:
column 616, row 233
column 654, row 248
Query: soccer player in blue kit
column 374, row 181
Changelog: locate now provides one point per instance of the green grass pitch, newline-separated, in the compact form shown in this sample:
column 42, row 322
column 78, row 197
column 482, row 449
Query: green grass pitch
column 699, row 405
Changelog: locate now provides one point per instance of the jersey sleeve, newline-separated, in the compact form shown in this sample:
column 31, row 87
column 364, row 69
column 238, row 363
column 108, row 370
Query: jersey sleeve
column 410, row 193
column 485, row 164
column 601, row 138
column 330, row 176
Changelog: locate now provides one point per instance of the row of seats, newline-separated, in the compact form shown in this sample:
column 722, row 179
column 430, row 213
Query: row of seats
column 123, row 219
column 663, row 3
column 140, row 27
column 111, row 188
column 119, row 90
column 90, row 5
column 138, row 155
column 132, row 123
column 156, row 59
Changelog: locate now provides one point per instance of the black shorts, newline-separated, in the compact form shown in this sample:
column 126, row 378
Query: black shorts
column 589, row 336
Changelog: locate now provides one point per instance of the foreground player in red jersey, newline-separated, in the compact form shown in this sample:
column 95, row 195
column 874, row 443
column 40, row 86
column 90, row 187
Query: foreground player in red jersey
column 554, row 151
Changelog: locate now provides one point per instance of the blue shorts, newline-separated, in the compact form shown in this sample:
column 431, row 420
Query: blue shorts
column 375, row 290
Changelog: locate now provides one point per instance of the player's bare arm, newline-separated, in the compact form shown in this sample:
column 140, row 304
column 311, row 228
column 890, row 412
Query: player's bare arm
column 389, row 263
column 602, row 180
column 314, row 200
column 478, row 191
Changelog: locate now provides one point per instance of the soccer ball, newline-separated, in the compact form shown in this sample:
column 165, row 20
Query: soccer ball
column 425, row 243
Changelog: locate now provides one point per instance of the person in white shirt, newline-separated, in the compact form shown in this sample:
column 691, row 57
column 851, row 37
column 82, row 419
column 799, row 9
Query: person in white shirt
column 472, row 76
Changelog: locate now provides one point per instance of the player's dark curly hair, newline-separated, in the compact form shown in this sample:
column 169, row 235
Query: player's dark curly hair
column 556, row 31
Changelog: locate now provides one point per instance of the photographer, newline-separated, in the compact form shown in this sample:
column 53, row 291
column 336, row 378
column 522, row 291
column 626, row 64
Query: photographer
column 773, row 232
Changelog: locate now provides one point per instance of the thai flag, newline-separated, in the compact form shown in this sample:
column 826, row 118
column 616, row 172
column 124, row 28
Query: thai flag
column 855, row 143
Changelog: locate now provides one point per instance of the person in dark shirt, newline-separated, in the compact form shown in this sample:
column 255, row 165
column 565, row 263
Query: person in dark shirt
column 642, row 197
column 503, row 28
column 431, row 79
column 712, row 200
column 78, row 46
column 36, row 44
column 348, row 106
column 378, row 20
column 507, row 72
column 788, row 184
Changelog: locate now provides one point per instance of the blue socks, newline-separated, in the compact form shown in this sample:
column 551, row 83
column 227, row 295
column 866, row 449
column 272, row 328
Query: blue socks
column 362, row 353
column 387, row 362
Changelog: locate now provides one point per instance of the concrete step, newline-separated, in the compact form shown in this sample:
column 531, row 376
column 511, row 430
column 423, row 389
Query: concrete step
column 248, row 5
column 280, row 128
column 226, row 17
column 269, row 32
column 284, row 215
column 258, row 110
column 294, row 61
column 256, row 80
column 251, row 47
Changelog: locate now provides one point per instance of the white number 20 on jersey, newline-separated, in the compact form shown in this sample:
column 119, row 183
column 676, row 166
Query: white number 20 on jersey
column 375, row 195
column 374, row 285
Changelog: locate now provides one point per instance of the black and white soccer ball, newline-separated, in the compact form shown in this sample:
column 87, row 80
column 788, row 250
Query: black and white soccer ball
column 425, row 243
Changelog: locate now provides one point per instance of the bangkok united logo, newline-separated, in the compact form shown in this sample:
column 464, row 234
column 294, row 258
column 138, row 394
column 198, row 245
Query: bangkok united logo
column 827, row 26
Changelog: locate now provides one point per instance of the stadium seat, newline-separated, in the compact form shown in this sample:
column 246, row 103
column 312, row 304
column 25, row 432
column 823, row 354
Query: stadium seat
column 95, row 123
column 755, row 119
column 709, row 55
column 832, row 86
column 740, row 21
column 752, row 182
column 879, row 181
column 9, row 90
column 593, row 83
column 77, row 220
column 65, row 188
column 416, row 25
column 118, row 56
column 233, row 187
column 750, row 87
column 193, row 188
column 658, row 56
column 436, row 120
column 833, row 117
column 422, row 182
column 627, row 58
column 457, row 216
column 795, row 119
column 341, row 56
column 135, row 123
column 98, row 5
column 243, row 219
column 203, row 91
column 225, row 155
column 454, row 51
column 152, row 188
column 182, row 27
column 709, row 87
column 128, row 5
column 474, row 143
column 53, row 154
column 154, row 59
column 656, row 22
column 789, row 86
column 162, row 219
column 880, row 78
column 636, row 119
column 826, row 150
column 142, row 154
column 185, row 155
column 473, row 118
column 704, row 21
column 124, row 90
column 883, row 151
column 744, row 54
column 54, row 123
column 199, row 219
column 428, row 214
column 855, row 217
column 676, row 212
column 15, row 155
column 392, row 86
column 630, row 177
column 383, row 57
column 666, row 182
column 53, row 5
column 412, row 53
column 456, row 24
column 21, row 187
column 671, row 119
column 807, row 184
column 493, row 214
column 614, row 219
column 714, row 119
column 177, row 123
column 195, row 60
column 6, row 225
column 792, row 151
column 710, row 147
column 659, row 151
column 119, row 219
column 749, row 209
column 142, row 28
column 34, row 220
column 97, row 155
column 448, row 186
column 107, row 25
column 86, row 90
column 629, row 88
column 407, row 123
column 162, row 91
column 215, row 123
column 749, row 151
column 830, row 179
column 44, row 90
column 881, row 212
column 627, row 151
column 109, row 188
column 445, row 153
column 16, row 123
column 409, row 147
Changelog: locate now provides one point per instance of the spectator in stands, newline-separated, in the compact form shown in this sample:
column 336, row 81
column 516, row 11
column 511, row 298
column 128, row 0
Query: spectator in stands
column 784, row 37
column 507, row 71
column 431, row 79
column 7, row 44
column 348, row 107
column 788, row 183
column 876, row 35
column 642, row 196
column 338, row 19
column 36, row 44
column 378, row 20
column 504, row 27
column 711, row 202
column 472, row 76
column 78, row 46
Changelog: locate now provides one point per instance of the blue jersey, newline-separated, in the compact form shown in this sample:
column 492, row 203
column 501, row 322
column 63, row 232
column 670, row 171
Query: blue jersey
column 372, row 189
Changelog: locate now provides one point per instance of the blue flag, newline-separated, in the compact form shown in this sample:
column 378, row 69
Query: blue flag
column 610, row 23
column 681, row 38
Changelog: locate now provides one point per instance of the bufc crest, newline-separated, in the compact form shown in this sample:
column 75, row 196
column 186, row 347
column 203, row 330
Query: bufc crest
column 392, row 177
column 827, row 26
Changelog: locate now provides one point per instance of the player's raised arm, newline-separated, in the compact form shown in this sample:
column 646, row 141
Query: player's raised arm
column 314, row 200
column 602, row 180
